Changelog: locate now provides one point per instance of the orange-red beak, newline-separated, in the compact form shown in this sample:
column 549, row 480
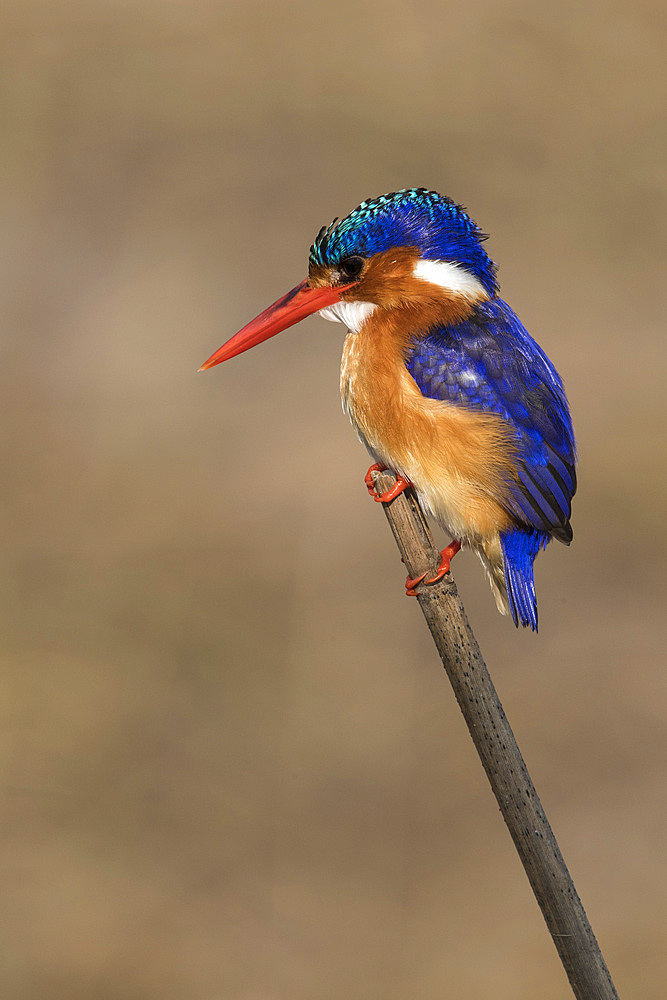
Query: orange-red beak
column 290, row 309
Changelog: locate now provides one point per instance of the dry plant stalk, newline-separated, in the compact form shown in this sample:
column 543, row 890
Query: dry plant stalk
column 498, row 751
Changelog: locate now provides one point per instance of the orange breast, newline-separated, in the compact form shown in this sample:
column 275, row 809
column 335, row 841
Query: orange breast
column 458, row 459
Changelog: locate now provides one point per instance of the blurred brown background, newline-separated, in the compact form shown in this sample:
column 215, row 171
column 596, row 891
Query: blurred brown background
column 233, row 768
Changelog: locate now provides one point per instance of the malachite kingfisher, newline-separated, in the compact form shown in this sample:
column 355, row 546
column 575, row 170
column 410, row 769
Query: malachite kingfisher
column 441, row 381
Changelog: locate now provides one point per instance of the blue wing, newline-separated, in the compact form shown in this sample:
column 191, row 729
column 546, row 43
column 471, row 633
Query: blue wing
column 490, row 362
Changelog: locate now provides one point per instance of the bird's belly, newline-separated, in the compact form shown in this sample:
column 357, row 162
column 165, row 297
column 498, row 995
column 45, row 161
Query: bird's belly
column 457, row 459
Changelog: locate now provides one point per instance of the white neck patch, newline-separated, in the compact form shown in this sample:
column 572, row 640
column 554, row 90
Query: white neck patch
column 450, row 276
column 352, row 314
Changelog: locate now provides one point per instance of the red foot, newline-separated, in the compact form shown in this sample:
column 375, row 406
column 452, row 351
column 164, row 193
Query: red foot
column 446, row 557
column 401, row 484
column 368, row 478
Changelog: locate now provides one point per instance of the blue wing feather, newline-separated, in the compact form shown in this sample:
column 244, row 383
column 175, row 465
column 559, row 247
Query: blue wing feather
column 490, row 363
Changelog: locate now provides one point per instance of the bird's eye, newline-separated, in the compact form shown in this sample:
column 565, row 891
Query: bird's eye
column 352, row 267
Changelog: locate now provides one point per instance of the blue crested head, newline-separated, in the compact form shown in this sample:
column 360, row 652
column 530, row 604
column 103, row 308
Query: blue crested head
column 414, row 217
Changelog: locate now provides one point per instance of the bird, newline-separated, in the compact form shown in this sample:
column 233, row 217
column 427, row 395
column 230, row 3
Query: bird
column 443, row 384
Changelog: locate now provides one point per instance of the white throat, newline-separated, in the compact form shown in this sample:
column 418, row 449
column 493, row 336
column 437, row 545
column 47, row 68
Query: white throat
column 352, row 314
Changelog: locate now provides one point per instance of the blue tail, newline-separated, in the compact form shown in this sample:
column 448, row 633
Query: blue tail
column 519, row 550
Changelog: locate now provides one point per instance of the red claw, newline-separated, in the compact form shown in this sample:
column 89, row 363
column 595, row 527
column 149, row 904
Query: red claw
column 410, row 584
column 446, row 557
column 368, row 478
column 402, row 483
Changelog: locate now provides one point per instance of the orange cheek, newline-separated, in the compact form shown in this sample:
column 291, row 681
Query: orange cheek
column 386, row 278
column 407, row 301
